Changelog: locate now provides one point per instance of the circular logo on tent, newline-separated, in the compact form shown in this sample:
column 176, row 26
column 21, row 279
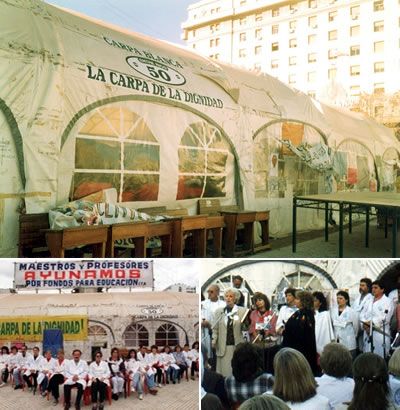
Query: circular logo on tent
column 152, row 311
column 155, row 70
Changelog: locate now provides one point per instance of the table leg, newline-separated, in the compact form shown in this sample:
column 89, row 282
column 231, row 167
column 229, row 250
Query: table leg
column 294, row 225
column 140, row 247
column 248, row 236
column 386, row 222
column 230, row 237
column 367, row 227
column 350, row 218
column 341, row 230
column 217, row 242
column 394, row 234
column 326, row 220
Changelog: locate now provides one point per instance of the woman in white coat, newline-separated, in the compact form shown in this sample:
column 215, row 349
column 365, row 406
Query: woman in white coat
column 323, row 323
column 345, row 322
column 99, row 374
column 117, row 370
column 135, row 370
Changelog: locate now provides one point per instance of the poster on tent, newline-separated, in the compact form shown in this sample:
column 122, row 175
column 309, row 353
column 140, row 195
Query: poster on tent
column 91, row 274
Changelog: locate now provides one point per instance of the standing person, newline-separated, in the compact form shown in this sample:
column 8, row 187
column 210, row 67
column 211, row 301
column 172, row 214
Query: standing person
column 262, row 314
column 345, row 322
column 32, row 369
column 323, row 323
column 378, row 311
column 287, row 310
column 365, row 297
column 135, row 370
column 299, row 331
column 76, row 371
column 57, row 377
column 46, row 369
column 117, row 369
column 394, row 294
column 208, row 308
column 22, row 359
column 227, row 333
column 243, row 298
column 99, row 373
column 180, row 360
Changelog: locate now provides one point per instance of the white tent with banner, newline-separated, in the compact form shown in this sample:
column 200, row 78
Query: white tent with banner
column 86, row 106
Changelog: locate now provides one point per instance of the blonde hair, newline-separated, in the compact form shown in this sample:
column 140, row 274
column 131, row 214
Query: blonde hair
column 394, row 363
column 264, row 402
column 294, row 380
column 233, row 292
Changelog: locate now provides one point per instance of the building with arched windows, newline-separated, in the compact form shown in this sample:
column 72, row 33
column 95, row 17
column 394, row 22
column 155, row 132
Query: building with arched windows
column 123, row 320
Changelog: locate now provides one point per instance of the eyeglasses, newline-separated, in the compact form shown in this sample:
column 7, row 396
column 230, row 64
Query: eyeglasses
column 210, row 291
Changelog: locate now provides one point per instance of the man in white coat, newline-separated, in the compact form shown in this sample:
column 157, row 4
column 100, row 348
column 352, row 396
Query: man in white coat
column 208, row 308
column 76, row 371
column 32, row 369
column 359, row 304
column 22, row 359
column 378, row 311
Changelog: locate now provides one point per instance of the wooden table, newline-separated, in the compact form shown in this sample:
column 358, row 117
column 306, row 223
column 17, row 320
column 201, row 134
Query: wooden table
column 135, row 231
column 165, row 231
column 215, row 224
column 263, row 218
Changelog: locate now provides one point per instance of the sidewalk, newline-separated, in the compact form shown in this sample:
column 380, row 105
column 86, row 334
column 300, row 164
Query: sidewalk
column 183, row 396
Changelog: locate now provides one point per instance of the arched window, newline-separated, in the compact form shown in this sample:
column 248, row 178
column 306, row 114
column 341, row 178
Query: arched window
column 116, row 149
column 96, row 331
column 136, row 335
column 167, row 334
column 180, row 289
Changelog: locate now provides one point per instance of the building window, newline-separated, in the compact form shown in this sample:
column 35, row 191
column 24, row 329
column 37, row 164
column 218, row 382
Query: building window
column 379, row 110
column 355, row 90
column 212, row 11
column 212, row 28
column 275, row 12
column 355, row 12
column 292, row 9
column 243, row 21
column 379, row 46
column 258, row 34
column 332, row 54
column 378, row 5
column 274, row 63
column 218, row 9
column 243, row 3
column 217, row 27
column 332, row 73
column 312, row 57
column 354, row 70
column 379, row 88
column 379, row 26
column 136, row 335
column 292, row 60
column 292, row 24
column 312, row 94
column 194, row 45
column 275, row 29
column 217, row 42
column 312, row 21
column 333, row 15
column 242, row 36
column 212, row 42
column 275, row 46
column 379, row 67
column 96, row 330
column 257, row 67
column 312, row 4
column 355, row 50
column 216, row 56
column 332, row 35
column 259, row 17
column 242, row 52
column 311, row 77
column 292, row 78
column 312, row 40
column 167, row 335
column 257, row 50
column 293, row 43
column 355, row 31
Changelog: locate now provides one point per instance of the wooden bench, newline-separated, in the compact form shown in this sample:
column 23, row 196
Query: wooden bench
column 164, row 230
column 134, row 231
column 31, row 236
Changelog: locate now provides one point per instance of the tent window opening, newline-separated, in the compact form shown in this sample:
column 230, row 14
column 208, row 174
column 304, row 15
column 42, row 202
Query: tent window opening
column 96, row 330
column 136, row 335
column 116, row 149
column 203, row 155
column 167, row 335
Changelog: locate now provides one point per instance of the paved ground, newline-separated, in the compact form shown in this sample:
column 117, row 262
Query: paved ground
column 183, row 396
column 313, row 245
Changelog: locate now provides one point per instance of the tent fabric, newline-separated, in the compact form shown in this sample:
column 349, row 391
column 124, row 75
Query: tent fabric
column 87, row 106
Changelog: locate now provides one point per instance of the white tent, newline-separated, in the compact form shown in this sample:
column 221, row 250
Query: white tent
column 85, row 105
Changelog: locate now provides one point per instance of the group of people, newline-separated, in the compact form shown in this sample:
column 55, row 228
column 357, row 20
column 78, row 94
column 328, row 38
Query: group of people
column 145, row 366
column 304, row 324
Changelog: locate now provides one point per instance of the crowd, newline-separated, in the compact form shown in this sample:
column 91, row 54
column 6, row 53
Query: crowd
column 145, row 369
column 308, row 355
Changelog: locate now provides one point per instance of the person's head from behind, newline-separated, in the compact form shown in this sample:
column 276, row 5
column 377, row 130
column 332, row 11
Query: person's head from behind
column 264, row 402
column 247, row 362
column 394, row 363
column 370, row 383
column 294, row 380
column 336, row 360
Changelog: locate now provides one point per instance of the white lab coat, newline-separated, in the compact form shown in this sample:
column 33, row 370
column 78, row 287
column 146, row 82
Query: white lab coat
column 359, row 306
column 167, row 360
column 323, row 330
column 3, row 361
column 283, row 316
column 208, row 309
column 12, row 361
column 134, row 366
column 345, row 326
column 141, row 357
column 79, row 369
column 98, row 371
column 33, row 364
column 379, row 311
column 48, row 365
column 22, row 360
column 59, row 368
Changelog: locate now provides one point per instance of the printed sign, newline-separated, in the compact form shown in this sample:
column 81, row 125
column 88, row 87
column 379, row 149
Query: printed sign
column 30, row 329
column 70, row 274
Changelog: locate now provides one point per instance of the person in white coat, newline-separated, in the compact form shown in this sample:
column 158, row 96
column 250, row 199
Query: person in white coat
column 378, row 311
column 117, row 369
column 99, row 373
column 12, row 360
column 150, row 373
column 76, row 371
column 4, row 356
column 153, row 359
column 57, row 377
column 22, row 359
column 170, row 367
column 345, row 322
column 394, row 377
column 323, row 323
column 32, row 369
column 359, row 304
column 46, row 369
column 135, row 370
column 287, row 310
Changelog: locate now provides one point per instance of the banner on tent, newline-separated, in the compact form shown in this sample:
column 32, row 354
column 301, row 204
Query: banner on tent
column 70, row 274
column 30, row 329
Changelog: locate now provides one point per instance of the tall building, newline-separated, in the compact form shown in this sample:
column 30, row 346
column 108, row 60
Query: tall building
column 334, row 50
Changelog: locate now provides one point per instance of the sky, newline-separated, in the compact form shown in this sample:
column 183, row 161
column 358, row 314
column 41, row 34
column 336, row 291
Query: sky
column 156, row 18
column 166, row 272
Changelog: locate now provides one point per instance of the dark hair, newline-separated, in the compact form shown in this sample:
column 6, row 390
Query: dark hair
column 154, row 347
column 336, row 360
column 98, row 352
column 261, row 296
column 368, row 282
column 371, row 387
column 129, row 353
column 165, row 348
column 292, row 291
column 115, row 349
column 14, row 348
column 36, row 347
column 306, row 299
column 6, row 349
column 322, row 300
column 247, row 362
column 237, row 277
column 194, row 344
column 76, row 350
column 379, row 283
column 345, row 295
column 177, row 347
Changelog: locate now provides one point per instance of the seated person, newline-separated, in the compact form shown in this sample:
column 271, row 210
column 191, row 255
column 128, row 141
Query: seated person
column 99, row 374
column 76, row 371
column 57, row 378
column 117, row 369
column 32, row 369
